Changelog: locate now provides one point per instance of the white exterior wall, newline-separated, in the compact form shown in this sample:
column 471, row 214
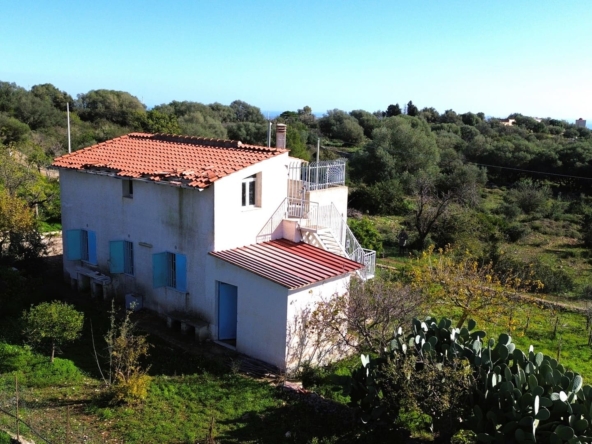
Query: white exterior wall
column 335, row 195
column 266, row 315
column 301, row 302
column 163, row 217
column 261, row 311
column 237, row 226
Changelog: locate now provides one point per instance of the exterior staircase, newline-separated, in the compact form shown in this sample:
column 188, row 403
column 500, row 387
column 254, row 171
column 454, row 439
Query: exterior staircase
column 323, row 227
column 323, row 238
column 330, row 243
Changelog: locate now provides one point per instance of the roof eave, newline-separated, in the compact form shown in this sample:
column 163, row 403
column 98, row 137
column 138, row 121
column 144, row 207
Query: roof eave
column 138, row 179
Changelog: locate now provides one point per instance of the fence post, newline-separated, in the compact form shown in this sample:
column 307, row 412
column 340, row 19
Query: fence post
column 18, row 434
column 68, row 425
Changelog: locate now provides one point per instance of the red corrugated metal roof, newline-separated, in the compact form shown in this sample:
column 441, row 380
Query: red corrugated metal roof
column 179, row 160
column 292, row 265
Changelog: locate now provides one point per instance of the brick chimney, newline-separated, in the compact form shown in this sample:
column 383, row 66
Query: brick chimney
column 280, row 135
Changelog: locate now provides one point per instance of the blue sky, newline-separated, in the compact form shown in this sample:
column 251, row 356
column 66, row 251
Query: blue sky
column 497, row 57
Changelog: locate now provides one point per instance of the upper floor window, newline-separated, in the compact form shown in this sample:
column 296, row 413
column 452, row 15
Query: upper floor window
column 121, row 257
column 128, row 188
column 248, row 191
column 251, row 191
column 81, row 245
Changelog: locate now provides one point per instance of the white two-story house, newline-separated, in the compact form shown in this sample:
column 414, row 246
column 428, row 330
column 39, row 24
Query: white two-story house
column 242, row 237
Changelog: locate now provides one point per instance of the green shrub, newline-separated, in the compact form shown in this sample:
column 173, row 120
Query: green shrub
column 510, row 210
column 366, row 233
column 62, row 372
column 35, row 370
column 586, row 230
column 557, row 209
column 132, row 390
column 5, row 438
column 586, row 293
column 553, row 280
column 516, row 232
column 529, row 196
column 385, row 198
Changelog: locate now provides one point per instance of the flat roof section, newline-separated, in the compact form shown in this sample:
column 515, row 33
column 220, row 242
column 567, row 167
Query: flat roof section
column 290, row 264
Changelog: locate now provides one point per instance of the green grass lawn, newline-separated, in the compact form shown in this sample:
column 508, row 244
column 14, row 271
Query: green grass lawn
column 192, row 396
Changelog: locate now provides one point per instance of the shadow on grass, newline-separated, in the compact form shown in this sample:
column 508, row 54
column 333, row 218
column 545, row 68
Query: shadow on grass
column 295, row 421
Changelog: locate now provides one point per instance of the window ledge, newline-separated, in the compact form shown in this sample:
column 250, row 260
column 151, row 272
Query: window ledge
column 250, row 208
column 176, row 291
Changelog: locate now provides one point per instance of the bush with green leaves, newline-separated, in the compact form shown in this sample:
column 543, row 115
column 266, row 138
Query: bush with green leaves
column 586, row 230
column 366, row 233
column 554, row 280
column 510, row 210
column 52, row 324
column 385, row 198
column 531, row 197
column 503, row 394
column 34, row 370
column 516, row 231
column 5, row 438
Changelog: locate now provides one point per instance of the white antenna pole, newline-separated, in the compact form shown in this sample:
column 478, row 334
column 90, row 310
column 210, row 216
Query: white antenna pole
column 68, row 113
column 269, row 134
column 318, row 149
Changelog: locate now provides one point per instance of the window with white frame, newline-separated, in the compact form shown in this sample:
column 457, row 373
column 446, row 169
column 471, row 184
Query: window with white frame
column 81, row 245
column 169, row 270
column 251, row 191
column 248, row 191
column 121, row 257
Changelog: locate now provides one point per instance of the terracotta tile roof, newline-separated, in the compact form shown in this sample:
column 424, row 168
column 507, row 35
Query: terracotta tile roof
column 292, row 265
column 179, row 160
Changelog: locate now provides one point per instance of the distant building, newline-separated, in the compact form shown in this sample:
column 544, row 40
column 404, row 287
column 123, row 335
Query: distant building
column 508, row 122
column 581, row 123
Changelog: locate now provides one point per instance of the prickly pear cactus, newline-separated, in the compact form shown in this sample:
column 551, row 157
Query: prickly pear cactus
column 518, row 397
column 527, row 397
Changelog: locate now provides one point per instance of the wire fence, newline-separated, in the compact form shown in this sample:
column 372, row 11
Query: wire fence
column 60, row 420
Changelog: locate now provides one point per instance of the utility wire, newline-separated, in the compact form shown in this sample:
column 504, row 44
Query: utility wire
column 530, row 171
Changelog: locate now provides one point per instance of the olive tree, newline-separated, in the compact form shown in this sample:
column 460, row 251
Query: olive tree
column 54, row 323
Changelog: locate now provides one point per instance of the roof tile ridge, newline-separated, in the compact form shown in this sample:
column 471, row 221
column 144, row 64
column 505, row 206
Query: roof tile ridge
column 138, row 136
column 196, row 140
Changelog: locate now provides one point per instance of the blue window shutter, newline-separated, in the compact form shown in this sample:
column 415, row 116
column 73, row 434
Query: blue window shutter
column 116, row 261
column 73, row 250
column 159, row 270
column 92, row 247
column 181, row 272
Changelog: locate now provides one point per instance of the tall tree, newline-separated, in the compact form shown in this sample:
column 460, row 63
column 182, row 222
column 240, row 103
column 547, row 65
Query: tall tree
column 243, row 112
column 369, row 122
column 53, row 95
column 295, row 141
column 393, row 110
column 118, row 107
column 338, row 124
column 400, row 145
column 412, row 110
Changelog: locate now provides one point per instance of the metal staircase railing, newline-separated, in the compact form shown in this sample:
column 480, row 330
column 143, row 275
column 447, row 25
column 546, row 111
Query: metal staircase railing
column 315, row 217
column 266, row 233
column 328, row 216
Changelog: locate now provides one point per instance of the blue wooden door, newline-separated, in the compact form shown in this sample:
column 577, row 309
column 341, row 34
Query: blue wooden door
column 227, row 308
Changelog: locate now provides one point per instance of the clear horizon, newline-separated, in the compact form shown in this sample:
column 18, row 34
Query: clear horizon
column 497, row 57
